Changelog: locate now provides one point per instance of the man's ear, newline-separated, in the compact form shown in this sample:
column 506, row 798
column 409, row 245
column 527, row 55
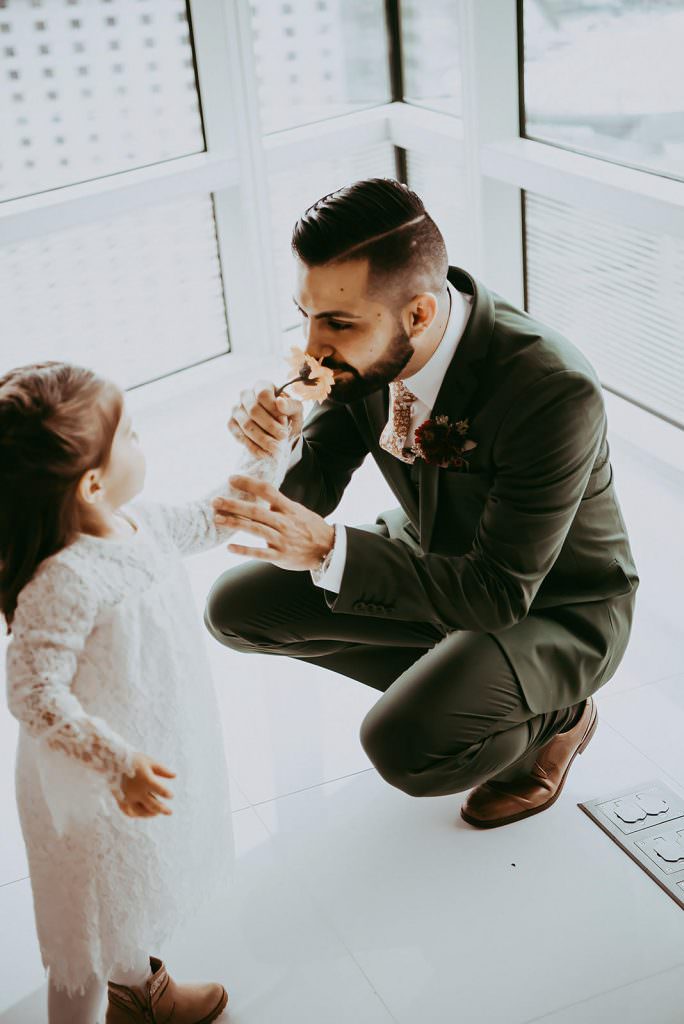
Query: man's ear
column 90, row 489
column 422, row 311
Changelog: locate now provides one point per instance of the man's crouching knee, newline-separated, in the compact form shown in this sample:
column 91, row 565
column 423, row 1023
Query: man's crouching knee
column 222, row 618
column 225, row 636
column 396, row 749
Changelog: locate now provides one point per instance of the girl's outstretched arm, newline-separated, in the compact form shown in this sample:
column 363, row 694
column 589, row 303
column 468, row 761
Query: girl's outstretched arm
column 191, row 526
column 55, row 613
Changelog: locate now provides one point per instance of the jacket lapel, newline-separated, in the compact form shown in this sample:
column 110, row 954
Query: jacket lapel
column 460, row 381
column 452, row 400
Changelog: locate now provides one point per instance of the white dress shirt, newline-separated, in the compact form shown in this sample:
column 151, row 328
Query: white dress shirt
column 425, row 385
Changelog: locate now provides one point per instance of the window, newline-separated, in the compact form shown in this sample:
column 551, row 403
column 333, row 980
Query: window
column 132, row 288
column 604, row 80
column 430, row 53
column 80, row 111
column 177, row 143
column 607, row 78
column 331, row 80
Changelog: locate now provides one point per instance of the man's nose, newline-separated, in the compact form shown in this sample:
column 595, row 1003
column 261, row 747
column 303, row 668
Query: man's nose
column 315, row 346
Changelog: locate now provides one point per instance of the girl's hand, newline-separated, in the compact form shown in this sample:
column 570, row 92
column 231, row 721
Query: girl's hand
column 142, row 790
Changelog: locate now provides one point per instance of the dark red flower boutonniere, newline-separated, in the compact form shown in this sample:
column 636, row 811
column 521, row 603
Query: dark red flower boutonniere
column 444, row 444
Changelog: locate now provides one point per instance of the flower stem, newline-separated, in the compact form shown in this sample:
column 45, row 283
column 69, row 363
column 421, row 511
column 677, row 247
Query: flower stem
column 282, row 388
column 308, row 380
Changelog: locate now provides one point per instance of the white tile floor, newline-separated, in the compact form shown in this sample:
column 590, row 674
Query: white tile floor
column 356, row 904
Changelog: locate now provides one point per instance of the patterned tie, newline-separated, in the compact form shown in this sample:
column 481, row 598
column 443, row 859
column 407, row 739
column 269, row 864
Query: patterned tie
column 396, row 430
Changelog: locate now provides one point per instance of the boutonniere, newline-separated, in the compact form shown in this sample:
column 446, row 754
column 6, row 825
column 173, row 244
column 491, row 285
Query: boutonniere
column 444, row 444
column 312, row 380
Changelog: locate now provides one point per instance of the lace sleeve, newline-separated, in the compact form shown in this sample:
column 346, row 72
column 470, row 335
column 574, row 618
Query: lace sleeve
column 55, row 613
column 191, row 526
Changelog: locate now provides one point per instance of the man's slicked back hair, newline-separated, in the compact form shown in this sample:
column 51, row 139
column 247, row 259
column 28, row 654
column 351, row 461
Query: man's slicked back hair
column 383, row 221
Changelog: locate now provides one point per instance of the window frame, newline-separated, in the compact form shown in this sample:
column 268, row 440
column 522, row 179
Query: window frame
column 500, row 164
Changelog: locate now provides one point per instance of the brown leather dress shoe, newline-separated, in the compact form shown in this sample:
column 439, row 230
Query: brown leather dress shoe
column 499, row 803
column 162, row 1001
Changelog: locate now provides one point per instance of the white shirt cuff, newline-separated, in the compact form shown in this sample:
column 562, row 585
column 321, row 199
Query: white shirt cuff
column 331, row 579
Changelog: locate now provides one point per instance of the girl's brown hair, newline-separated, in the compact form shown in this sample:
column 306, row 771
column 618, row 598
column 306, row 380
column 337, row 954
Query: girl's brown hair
column 56, row 422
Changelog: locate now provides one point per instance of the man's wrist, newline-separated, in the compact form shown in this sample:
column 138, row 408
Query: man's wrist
column 326, row 553
column 330, row 577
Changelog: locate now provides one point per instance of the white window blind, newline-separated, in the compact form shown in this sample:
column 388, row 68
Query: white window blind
column 617, row 293
column 135, row 297
column 441, row 185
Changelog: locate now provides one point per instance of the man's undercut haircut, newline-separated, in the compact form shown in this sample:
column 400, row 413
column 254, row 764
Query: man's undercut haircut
column 384, row 222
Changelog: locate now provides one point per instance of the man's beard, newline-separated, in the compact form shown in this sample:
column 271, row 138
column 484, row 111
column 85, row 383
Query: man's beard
column 393, row 360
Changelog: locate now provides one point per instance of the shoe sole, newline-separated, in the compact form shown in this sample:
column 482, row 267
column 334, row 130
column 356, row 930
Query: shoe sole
column 478, row 823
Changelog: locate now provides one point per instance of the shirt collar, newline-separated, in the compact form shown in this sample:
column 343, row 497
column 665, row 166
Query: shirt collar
column 427, row 381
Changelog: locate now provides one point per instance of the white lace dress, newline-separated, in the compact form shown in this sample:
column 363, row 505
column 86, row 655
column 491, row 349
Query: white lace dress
column 107, row 658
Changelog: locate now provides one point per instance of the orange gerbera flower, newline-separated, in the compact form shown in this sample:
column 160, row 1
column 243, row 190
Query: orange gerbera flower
column 313, row 381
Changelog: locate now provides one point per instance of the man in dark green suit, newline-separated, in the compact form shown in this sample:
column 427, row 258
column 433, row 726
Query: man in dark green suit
column 498, row 597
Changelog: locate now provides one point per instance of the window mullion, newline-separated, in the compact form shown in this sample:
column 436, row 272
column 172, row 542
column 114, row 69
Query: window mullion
column 231, row 123
column 100, row 198
column 489, row 59
column 336, row 137
column 633, row 197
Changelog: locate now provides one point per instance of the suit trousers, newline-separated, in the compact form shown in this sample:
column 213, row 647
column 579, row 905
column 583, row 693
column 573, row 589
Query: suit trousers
column 452, row 713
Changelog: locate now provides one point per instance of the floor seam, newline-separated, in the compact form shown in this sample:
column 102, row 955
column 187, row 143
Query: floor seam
column 668, row 777
column 604, row 992
column 15, row 881
column 306, row 789
column 325, row 916
column 608, row 696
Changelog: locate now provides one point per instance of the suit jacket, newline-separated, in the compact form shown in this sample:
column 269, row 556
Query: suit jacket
column 528, row 544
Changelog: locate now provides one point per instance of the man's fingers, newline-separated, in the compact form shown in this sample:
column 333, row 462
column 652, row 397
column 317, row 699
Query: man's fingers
column 256, row 529
column 288, row 406
column 246, row 510
column 255, row 433
column 246, row 438
column 265, row 396
column 276, row 428
column 265, row 554
column 260, row 489
column 240, row 436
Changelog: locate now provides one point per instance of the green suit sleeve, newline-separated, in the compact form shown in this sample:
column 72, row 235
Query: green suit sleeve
column 333, row 450
column 543, row 454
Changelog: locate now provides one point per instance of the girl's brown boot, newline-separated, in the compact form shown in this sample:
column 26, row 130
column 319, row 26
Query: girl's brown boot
column 162, row 1001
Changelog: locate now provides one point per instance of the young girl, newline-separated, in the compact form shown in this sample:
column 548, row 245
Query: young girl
column 106, row 671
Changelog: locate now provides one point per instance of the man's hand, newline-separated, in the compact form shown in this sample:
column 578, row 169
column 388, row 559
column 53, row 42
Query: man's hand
column 260, row 421
column 142, row 790
column 296, row 538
